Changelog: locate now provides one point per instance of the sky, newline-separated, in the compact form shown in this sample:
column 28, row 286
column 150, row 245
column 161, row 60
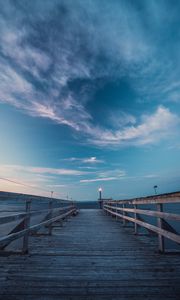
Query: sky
column 90, row 97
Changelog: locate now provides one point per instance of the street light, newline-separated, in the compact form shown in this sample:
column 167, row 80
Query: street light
column 52, row 194
column 100, row 197
column 100, row 193
column 155, row 189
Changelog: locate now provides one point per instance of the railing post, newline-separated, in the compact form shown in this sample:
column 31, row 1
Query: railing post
column 107, row 213
column 116, row 212
column 135, row 217
column 124, row 214
column 111, row 210
column 65, row 218
column 160, row 225
column 73, row 207
column 105, row 209
column 50, row 216
column 26, row 226
column 102, row 204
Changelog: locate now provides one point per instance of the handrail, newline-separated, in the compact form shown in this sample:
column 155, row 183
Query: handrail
column 23, row 229
column 121, row 208
column 172, row 236
column 161, row 198
column 151, row 213
column 13, row 236
column 15, row 217
column 18, row 196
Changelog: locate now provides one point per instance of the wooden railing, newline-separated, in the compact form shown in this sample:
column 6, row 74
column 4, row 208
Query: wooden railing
column 24, row 228
column 121, row 209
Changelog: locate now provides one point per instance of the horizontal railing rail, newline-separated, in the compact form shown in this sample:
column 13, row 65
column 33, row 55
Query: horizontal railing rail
column 24, row 228
column 121, row 209
column 162, row 198
column 164, row 215
column 13, row 236
column 4, row 196
column 18, row 216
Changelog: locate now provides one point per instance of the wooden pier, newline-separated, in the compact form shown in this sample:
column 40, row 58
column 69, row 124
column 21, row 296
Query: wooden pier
column 89, row 256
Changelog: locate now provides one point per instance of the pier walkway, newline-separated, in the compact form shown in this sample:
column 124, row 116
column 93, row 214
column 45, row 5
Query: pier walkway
column 91, row 257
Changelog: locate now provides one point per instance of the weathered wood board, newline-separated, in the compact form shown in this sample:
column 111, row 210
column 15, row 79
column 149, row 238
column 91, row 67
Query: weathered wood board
column 91, row 257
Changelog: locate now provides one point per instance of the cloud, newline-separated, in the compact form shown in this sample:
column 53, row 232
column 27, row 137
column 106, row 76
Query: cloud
column 37, row 180
column 12, row 85
column 151, row 129
column 107, row 175
column 98, row 179
column 88, row 160
column 26, row 56
column 51, row 64
column 29, row 186
column 56, row 48
column 92, row 160
column 56, row 171
column 40, row 170
column 151, row 176
column 56, row 185
column 120, row 119
column 112, row 173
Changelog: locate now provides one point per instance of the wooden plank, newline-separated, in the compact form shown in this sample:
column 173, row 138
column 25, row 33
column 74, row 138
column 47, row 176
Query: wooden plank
column 91, row 257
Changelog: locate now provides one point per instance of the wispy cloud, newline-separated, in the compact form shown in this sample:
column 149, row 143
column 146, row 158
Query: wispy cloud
column 151, row 129
column 112, row 173
column 98, row 179
column 37, row 180
column 151, row 176
column 29, row 58
column 107, row 175
column 86, row 160
column 56, row 185
column 50, row 66
column 41, row 170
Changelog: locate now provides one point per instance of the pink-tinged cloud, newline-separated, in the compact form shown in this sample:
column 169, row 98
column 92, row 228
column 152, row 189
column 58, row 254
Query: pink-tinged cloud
column 41, row 170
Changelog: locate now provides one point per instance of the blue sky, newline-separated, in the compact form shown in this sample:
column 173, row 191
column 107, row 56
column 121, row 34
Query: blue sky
column 89, row 97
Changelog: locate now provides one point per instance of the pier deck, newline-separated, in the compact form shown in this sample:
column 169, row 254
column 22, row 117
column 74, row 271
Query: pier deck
column 91, row 257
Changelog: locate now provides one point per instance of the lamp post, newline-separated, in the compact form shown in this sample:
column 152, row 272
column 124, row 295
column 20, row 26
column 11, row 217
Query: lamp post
column 155, row 189
column 100, row 193
column 100, row 197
